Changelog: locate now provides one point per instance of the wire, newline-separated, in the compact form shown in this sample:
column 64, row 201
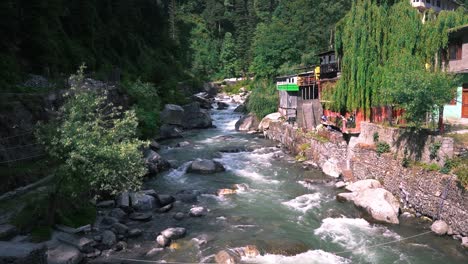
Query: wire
column 24, row 133
column 15, row 160
column 22, row 146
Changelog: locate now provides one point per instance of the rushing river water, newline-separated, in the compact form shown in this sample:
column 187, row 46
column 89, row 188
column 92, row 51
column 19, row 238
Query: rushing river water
column 289, row 220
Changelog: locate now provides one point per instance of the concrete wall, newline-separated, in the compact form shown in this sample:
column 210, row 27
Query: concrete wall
column 454, row 111
column 430, row 193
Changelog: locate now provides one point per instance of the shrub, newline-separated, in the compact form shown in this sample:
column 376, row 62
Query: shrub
column 95, row 144
column 263, row 100
column 382, row 147
column 376, row 137
column 434, row 150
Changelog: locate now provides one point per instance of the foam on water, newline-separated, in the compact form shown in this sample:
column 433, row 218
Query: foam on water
column 355, row 235
column 179, row 172
column 304, row 202
column 309, row 257
column 308, row 185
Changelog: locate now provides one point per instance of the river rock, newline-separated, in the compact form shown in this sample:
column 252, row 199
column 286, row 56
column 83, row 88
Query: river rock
column 155, row 162
column 202, row 99
column 22, row 253
column 121, row 245
column 464, row 242
column 265, row 123
column 195, row 117
column 109, row 220
column 144, row 217
column 240, row 109
column 106, row 204
column 247, row 123
column 165, row 209
column 222, row 105
column 7, row 232
column 222, row 192
column 340, row 185
column 227, row 257
column 241, row 187
column 439, row 227
column 64, row 254
column 135, row 232
column 197, row 211
column 174, row 232
column 380, row 204
column 205, row 167
column 163, row 241
column 120, row 229
column 178, row 216
column 346, row 197
column 172, row 115
column 170, row 131
column 165, row 199
column 331, row 168
column 154, row 145
column 142, row 202
column 117, row 213
column 183, row 144
column 83, row 244
column 123, row 201
column 108, row 239
column 363, row 185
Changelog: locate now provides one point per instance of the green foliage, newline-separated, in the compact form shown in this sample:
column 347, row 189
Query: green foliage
column 434, row 150
column 147, row 105
column 375, row 137
column 384, row 49
column 406, row 162
column 264, row 99
column 228, row 56
column 382, row 147
column 461, row 170
column 95, row 144
column 236, row 87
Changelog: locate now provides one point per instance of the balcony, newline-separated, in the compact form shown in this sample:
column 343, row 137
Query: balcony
column 329, row 70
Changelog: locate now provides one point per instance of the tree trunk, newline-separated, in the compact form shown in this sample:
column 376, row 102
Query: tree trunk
column 441, row 120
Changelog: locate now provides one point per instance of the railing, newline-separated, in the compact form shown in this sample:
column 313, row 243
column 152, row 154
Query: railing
column 328, row 68
column 306, row 81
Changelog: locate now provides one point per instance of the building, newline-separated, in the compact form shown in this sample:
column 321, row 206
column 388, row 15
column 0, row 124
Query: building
column 300, row 94
column 456, row 61
column 436, row 5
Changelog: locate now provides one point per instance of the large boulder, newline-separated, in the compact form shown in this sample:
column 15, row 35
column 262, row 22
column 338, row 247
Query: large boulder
column 22, row 253
column 265, row 123
column 205, row 167
column 62, row 254
column 331, row 168
column 108, row 239
column 222, row 105
column 211, row 88
column 362, row 185
column 172, row 115
column 240, row 109
column 440, row 227
column 247, row 123
column 195, row 117
column 155, row 162
column 170, row 131
column 380, row 204
column 142, row 202
column 203, row 100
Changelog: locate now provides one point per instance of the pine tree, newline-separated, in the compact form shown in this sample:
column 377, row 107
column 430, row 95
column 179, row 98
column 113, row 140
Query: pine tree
column 228, row 56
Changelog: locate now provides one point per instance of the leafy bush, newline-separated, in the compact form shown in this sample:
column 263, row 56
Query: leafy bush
column 376, row 137
column 95, row 144
column 147, row 105
column 382, row 147
column 264, row 99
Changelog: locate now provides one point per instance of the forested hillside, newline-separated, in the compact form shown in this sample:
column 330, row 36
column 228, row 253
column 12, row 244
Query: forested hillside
column 157, row 40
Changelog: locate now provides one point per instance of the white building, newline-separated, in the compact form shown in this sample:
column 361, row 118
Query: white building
column 437, row 5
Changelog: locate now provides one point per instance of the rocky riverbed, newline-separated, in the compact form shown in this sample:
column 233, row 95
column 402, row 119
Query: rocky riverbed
column 228, row 197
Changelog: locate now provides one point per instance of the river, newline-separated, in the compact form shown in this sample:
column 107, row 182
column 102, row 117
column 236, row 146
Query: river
column 288, row 220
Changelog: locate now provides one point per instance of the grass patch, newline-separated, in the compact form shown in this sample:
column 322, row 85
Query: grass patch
column 460, row 139
column 235, row 88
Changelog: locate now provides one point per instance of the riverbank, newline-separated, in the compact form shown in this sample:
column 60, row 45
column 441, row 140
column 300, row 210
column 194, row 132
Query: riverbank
column 420, row 191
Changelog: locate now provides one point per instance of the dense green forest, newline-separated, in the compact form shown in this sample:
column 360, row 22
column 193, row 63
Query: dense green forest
column 162, row 40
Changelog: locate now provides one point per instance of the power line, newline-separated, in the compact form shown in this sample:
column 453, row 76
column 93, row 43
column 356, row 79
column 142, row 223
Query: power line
column 22, row 146
column 24, row 133
column 26, row 158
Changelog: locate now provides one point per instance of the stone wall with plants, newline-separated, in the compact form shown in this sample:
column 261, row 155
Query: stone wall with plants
column 419, row 189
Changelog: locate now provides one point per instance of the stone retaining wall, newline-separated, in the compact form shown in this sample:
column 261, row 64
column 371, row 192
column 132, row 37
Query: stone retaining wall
column 433, row 194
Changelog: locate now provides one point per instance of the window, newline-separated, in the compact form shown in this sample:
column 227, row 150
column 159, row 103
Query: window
column 438, row 3
column 455, row 51
column 310, row 92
